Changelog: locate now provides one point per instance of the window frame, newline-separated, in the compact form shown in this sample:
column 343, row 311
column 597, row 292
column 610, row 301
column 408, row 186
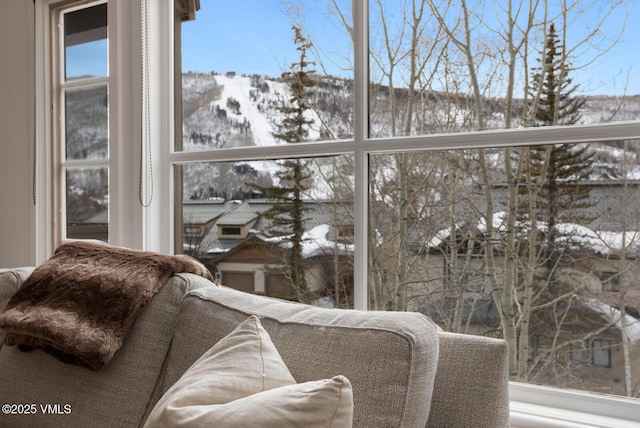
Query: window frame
column 525, row 397
column 544, row 406
column 473, row 276
column 128, row 223
column 62, row 87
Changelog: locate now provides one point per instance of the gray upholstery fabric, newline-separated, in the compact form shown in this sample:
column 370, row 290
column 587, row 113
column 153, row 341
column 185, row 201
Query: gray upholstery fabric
column 390, row 358
column 472, row 383
column 118, row 395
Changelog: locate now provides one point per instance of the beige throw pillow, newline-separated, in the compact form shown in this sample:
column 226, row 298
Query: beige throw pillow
column 242, row 381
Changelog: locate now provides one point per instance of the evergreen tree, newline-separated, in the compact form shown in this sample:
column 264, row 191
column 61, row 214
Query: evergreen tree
column 553, row 177
column 286, row 218
column 557, row 172
column 552, row 92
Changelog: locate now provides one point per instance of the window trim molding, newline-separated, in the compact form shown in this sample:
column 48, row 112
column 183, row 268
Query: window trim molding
column 43, row 222
column 157, row 219
column 542, row 406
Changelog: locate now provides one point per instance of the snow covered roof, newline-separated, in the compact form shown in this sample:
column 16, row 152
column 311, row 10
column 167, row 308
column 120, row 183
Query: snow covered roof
column 627, row 324
column 580, row 237
column 316, row 243
column 614, row 203
column 319, row 216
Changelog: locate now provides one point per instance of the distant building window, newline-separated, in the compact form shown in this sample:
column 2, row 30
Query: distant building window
column 345, row 233
column 597, row 353
column 610, row 281
column 468, row 273
column 541, row 347
column 236, row 231
column 580, row 352
column 191, row 230
column 601, row 353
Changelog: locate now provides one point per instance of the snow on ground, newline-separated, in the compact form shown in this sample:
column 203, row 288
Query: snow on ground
column 240, row 88
column 262, row 128
column 315, row 242
column 601, row 242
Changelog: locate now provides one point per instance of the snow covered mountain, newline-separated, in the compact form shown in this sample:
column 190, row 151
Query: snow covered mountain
column 225, row 111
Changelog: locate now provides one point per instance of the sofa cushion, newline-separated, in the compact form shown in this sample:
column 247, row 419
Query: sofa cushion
column 119, row 394
column 242, row 381
column 390, row 358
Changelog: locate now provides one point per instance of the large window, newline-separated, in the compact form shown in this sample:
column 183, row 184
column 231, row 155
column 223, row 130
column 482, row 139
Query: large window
column 483, row 158
column 476, row 161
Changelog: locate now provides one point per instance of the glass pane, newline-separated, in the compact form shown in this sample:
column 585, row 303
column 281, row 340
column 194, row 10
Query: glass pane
column 87, row 123
column 601, row 353
column 488, row 242
column 428, row 75
column 87, row 203
column 580, row 353
column 244, row 68
column 85, row 42
column 280, row 228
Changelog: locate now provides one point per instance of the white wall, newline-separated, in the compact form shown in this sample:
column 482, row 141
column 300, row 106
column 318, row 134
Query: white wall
column 16, row 136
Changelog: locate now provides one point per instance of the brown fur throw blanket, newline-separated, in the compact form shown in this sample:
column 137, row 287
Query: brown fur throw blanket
column 79, row 304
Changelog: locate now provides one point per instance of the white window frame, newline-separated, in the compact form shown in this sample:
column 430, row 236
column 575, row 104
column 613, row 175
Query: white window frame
column 531, row 405
column 127, row 223
column 61, row 86
column 151, row 227
column 534, row 406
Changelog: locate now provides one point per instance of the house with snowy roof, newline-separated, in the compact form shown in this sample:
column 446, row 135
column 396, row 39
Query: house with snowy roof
column 231, row 238
column 601, row 280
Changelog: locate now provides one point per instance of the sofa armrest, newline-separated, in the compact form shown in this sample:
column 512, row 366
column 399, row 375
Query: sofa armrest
column 10, row 281
column 472, row 383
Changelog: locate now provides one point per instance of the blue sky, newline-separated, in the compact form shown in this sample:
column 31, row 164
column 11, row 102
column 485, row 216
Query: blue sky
column 255, row 36
column 87, row 59
column 252, row 36
column 242, row 36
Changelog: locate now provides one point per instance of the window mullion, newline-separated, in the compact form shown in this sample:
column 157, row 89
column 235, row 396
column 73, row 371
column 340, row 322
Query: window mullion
column 508, row 138
column 361, row 130
column 84, row 83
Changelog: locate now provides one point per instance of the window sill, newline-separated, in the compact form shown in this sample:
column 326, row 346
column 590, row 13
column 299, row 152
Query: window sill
column 539, row 406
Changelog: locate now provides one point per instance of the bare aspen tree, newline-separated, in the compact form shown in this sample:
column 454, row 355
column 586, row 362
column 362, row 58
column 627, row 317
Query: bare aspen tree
column 437, row 66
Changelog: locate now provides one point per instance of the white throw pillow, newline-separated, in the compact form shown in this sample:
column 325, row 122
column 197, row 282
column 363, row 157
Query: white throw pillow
column 243, row 382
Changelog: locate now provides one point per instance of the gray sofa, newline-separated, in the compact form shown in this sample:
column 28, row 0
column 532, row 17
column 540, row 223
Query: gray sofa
column 404, row 371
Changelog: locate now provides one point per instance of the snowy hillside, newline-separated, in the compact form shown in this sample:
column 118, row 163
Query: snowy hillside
column 226, row 111
column 233, row 111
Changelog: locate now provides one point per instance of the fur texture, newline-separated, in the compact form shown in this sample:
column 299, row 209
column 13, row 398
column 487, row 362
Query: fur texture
column 79, row 304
